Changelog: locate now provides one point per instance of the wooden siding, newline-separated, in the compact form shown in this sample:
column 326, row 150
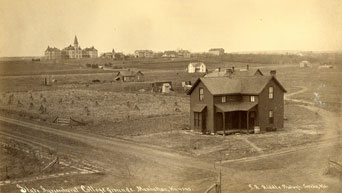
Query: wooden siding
column 208, row 100
column 276, row 105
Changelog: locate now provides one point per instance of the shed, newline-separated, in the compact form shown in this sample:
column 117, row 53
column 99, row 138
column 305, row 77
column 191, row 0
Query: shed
column 162, row 86
column 129, row 76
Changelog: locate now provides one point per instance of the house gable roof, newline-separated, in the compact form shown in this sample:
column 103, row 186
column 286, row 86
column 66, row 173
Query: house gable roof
column 235, row 73
column 196, row 64
column 236, row 85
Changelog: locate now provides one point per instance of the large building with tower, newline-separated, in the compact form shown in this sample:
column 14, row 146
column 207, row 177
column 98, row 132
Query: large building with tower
column 71, row 52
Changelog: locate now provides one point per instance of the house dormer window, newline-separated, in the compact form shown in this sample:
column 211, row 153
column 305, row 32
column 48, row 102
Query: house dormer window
column 252, row 98
column 201, row 94
column 270, row 92
column 224, row 99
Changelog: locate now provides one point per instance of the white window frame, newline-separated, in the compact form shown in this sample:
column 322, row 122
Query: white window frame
column 252, row 98
column 201, row 94
column 270, row 92
column 224, row 99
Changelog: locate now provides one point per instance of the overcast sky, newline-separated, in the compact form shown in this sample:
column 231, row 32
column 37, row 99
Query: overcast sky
column 28, row 27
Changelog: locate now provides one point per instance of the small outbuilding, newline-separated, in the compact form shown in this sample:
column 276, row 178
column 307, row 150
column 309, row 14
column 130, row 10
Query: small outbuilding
column 163, row 86
column 196, row 67
column 129, row 76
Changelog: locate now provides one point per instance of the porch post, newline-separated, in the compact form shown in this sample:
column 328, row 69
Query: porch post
column 224, row 123
column 248, row 122
column 239, row 120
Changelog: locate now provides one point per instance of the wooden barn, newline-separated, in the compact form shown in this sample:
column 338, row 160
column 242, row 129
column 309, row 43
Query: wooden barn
column 237, row 103
column 129, row 76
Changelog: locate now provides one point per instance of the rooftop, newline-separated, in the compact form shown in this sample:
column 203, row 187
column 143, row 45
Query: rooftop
column 236, row 85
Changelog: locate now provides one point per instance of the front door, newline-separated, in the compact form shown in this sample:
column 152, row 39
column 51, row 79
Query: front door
column 218, row 122
column 200, row 121
column 204, row 122
column 251, row 120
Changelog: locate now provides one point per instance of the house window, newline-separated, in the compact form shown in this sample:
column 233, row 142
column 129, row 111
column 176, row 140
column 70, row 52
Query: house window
column 197, row 118
column 270, row 92
column 201, row 94
column 252, row 98
column 224, row 99
column 270, row 117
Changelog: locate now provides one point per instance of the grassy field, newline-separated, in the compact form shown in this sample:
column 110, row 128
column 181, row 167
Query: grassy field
column 301, row 128
column 15, row 163
column 94, row 106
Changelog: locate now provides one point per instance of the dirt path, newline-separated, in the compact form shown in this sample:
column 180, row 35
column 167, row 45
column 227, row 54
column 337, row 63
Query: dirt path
column 290, row 95
column 331, row 120
column 258, row 149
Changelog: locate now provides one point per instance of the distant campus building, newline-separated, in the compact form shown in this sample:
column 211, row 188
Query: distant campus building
column 52, row 53
column 143, row 53
column 70, row 52
column 216, row 51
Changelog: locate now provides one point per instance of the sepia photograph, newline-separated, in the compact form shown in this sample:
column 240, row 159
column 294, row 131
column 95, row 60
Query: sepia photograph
column 183, row 96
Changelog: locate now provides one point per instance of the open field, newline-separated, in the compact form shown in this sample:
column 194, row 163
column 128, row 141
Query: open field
column 94, row 106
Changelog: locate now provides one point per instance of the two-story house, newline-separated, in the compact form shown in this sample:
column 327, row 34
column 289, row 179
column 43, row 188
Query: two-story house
column 236, row 103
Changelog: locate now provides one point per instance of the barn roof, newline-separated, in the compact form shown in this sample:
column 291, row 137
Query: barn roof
column 128, row 73
column 236, row 85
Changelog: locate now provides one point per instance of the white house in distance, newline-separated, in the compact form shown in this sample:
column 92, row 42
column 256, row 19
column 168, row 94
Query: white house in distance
column 196, row 67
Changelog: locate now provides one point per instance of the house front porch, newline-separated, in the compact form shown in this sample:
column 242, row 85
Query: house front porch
column 235, row 117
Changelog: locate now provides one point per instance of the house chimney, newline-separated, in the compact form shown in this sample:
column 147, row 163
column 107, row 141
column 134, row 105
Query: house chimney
column 247, row 67
column 219, row 69
column 273, row 72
